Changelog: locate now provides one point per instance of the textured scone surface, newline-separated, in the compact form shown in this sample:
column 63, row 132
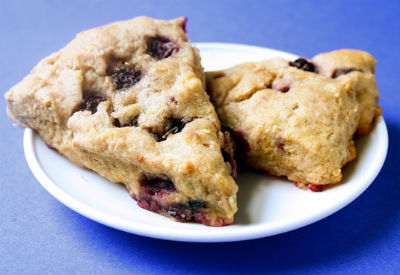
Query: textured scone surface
column 127, row 100
column 297, row 119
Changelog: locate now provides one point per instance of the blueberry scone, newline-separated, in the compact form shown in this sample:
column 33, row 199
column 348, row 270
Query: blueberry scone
column 298, row 119
column 127, row 100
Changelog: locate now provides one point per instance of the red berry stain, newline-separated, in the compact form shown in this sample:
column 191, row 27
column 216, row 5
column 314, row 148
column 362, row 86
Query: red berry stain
column 315, row 188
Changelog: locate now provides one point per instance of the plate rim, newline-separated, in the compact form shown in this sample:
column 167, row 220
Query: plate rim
column 235, row 46
column 197, row 235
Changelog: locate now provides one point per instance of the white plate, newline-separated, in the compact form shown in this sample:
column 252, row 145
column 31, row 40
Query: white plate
column 267, row 205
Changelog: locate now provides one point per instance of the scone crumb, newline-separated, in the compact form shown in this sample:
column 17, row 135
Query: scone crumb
column 222, row 182
column 189, row 167
column 188, row 140
column 258, row 69
column 192, row 137
column 300, row 185
column 190, row 78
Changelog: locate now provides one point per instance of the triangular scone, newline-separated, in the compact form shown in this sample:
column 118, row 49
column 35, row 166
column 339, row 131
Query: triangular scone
column 127, row 100
column 297, row 119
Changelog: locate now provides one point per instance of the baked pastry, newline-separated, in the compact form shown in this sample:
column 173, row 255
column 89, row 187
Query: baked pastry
column 127, row 100
column 297, row 119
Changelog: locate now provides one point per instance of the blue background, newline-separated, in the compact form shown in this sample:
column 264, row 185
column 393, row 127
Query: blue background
column 40, row 235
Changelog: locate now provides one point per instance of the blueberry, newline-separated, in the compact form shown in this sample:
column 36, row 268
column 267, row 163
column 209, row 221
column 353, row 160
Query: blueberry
column 152, row 184
column 132, row 122
column 174, row 126
column 186, row 212
column 116, row 123
column 171, row 126
column 303, row 64
column 196, row 204
column 124, row 78
column 160, row 47
column 90, row 103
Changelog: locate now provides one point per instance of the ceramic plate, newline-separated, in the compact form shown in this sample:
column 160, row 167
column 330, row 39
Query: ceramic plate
column 267, row 205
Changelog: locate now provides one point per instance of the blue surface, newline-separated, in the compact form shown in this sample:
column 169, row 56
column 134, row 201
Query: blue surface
column 39, row 235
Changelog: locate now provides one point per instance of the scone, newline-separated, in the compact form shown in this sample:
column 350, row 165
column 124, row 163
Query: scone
column 127, row 100
column 298, row 119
